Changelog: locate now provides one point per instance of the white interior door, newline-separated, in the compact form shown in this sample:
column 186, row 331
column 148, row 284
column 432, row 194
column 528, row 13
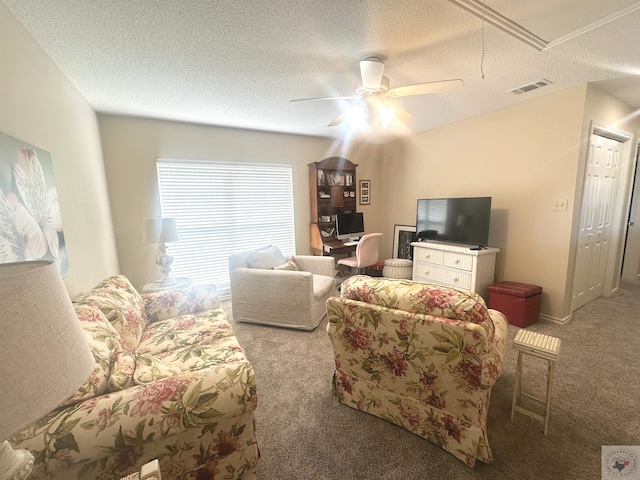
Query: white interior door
column 601, row 180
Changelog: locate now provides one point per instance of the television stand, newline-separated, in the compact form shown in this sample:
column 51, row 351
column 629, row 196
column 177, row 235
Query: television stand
column 454, row 265
column 479, row 247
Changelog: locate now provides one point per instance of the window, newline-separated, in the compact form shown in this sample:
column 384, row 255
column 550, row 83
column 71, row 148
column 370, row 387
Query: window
column 224, row 208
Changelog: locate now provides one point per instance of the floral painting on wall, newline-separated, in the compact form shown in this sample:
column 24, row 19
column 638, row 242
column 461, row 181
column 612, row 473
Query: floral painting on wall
column 30, row 223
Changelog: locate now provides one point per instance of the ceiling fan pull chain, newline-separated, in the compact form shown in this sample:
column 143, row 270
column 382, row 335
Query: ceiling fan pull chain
column 484, row 7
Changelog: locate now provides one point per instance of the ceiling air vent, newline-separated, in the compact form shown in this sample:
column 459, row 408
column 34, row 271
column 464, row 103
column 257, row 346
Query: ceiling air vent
column 531, row 86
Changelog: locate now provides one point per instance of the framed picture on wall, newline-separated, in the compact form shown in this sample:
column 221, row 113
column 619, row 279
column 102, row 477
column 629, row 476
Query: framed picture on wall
column 365, row 192
column 402, row 237
column 29, row 211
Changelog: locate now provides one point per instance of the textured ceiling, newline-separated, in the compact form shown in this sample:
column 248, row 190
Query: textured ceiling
column 238, row 63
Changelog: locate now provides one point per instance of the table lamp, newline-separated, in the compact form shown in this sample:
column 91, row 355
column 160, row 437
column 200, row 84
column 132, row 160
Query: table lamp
column 44, row 355
column 162, row 231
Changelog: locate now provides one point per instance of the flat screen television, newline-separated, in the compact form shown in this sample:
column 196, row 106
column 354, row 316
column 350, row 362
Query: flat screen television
column 349, row 226
column 454, row 220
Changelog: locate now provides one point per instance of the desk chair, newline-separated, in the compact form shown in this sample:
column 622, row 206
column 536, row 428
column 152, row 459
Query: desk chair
column 366, row 253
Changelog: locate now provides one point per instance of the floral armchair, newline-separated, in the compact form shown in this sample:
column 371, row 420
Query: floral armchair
column 170, row 383
column 421, row 356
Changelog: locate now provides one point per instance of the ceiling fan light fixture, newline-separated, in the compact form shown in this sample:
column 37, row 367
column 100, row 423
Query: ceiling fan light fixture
column 386, row 114
column 371, row 72
column 356, row 116
column 371, row 116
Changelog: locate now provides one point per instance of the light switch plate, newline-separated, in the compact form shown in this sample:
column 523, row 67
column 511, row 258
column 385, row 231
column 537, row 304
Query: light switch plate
column 560, row 204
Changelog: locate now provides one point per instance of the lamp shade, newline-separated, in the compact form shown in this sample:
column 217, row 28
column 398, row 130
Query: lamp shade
column 44, row 354
column 160, row 230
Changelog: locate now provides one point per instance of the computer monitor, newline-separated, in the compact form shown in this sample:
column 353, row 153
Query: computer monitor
column 349, row 226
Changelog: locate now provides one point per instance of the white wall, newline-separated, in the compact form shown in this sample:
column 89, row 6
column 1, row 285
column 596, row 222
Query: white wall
column 38, row 105
column 131, row 146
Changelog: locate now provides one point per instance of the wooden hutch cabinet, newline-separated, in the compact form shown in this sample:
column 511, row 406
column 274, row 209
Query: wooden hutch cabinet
column 332, row 184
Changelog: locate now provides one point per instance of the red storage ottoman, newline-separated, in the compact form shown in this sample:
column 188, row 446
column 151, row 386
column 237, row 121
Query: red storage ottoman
column 374, row 270
column 518, row 301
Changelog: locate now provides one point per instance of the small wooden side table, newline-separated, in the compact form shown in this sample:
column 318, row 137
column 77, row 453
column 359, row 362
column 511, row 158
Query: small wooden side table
column 541, row 346
column 181, row 282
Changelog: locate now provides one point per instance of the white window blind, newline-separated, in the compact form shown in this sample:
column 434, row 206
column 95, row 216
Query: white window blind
column 224, row 208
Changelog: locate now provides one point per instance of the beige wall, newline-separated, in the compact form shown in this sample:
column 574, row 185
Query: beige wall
column 38, row 105
column 131, row 146
column 523, row 157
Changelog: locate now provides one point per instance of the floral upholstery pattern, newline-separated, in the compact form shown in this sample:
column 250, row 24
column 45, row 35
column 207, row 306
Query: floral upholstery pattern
column 175, row 303
column 103, row 341
column 429, row 374
column 122, row 305
column 452, row 303
column 184, row 394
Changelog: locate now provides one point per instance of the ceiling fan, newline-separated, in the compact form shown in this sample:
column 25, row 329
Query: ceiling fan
column 373, row 106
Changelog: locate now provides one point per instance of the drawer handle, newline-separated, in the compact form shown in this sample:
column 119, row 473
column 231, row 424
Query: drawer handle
column 457, row 261
column 455, row 280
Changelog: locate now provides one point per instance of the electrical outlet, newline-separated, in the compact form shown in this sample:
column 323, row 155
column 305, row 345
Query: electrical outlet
column 560, row 204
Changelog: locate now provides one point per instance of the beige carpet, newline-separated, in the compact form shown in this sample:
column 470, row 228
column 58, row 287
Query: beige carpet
column 304, row 433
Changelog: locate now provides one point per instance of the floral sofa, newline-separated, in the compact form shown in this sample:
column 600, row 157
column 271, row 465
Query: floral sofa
column 421, row 356
column 170, row 382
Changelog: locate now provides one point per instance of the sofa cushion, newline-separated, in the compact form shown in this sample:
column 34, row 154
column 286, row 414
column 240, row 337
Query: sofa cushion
column 322, row 285
column 201, row 356
column 122, row 369
column 122, row 305
column 415, row 297
column 268, row 257
column 172, row 303
column 103, row 340
column 150, row 369
column 201, row 329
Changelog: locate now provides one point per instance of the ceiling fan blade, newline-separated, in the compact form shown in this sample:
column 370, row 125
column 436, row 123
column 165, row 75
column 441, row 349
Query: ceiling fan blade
column 402, row 114
column 338, row 120
column 442, row 86
column 346, row 97
column 371, row 72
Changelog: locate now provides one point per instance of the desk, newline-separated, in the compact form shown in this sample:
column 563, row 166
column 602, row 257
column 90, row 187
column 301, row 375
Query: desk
column 337, row 247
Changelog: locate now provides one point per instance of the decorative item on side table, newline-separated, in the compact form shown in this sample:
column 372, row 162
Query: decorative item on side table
column 162, row 231
column 44, row 354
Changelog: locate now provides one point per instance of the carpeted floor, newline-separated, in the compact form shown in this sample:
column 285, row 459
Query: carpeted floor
column 305, row 433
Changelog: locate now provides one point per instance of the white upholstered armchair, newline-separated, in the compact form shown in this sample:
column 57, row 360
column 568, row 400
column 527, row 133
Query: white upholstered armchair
column 268, row 288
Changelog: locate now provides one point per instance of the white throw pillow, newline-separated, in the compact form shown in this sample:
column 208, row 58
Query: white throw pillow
column 266, row 258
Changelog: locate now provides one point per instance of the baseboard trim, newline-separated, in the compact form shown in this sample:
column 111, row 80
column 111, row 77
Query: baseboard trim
column 559, row 321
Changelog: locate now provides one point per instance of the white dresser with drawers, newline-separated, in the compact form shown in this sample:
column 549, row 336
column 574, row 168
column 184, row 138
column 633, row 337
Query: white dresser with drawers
column 454, row 265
